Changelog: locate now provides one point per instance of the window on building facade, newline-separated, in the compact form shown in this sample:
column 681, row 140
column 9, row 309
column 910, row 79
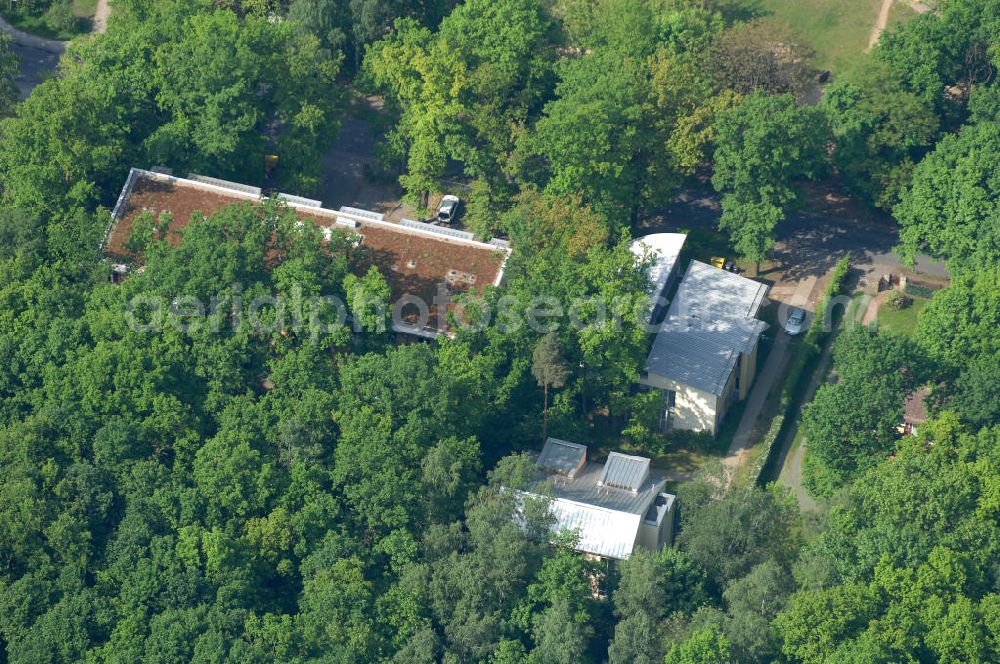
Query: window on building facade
column 667, row 415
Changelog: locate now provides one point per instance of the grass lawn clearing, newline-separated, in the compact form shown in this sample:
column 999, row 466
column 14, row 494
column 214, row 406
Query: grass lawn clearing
column 796, row 442
column 702, row 245
column 84, row 8
column 901, row 12
column 901, row 321
column 40, row 26
column 838, row 30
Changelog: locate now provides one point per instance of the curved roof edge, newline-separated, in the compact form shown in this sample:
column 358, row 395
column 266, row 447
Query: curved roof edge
column 666, row 247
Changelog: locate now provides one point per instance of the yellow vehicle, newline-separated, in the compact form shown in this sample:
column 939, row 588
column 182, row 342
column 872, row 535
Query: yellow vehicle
column 722, row 263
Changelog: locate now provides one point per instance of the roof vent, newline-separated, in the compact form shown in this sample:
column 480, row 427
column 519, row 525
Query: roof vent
column 347, row 223
column 459, row 278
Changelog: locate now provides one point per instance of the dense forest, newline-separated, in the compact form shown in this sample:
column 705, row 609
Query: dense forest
column 213, row 492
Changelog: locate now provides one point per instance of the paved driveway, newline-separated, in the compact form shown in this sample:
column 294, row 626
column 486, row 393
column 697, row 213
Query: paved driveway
column 36, row 66
column 346, row 165
column 39, row 57
column 774, row 367
column 809, row 242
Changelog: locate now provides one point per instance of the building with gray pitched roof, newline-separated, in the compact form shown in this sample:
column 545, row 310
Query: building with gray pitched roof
column 704, row 356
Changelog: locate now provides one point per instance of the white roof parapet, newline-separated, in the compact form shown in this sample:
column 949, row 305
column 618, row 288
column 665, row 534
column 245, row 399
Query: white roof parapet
column 300, row 200
column 133, row 174
column 362, row 216
column 226, row 184
column 358, row 212
column 440, row 230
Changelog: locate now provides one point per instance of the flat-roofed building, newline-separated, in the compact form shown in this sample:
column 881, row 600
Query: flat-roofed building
column 613, row 507
column 418, row 260
column 704, row 356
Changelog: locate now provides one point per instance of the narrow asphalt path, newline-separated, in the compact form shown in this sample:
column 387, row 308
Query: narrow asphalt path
column 789, row 468
column 871, row 311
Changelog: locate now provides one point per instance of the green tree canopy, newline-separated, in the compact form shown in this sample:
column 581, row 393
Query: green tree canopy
column 948, row 211
column 763, row 145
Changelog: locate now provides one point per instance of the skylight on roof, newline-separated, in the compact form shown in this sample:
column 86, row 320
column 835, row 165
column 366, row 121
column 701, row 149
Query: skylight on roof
column 622, row 471
column 562, row 456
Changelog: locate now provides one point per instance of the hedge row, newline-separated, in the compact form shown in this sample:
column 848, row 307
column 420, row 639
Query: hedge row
column 817, row 333
column 919, row 290
column 772, row 436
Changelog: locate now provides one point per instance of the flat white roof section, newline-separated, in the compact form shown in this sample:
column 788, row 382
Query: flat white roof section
column 709, row 323
column 710, row 292
column 665, row 247
column 603, row 532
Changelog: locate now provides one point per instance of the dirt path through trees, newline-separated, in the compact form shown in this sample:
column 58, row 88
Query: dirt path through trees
column 883, row 18
column 101, row 14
